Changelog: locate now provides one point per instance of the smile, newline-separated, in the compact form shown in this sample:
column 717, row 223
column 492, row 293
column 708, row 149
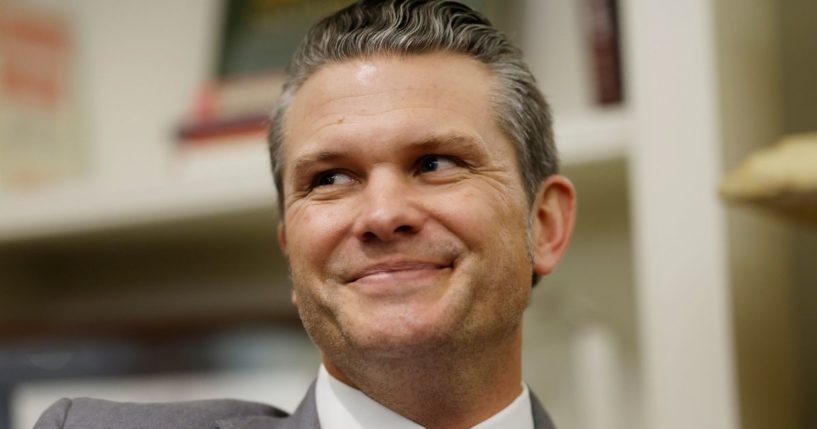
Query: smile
column 400, row 273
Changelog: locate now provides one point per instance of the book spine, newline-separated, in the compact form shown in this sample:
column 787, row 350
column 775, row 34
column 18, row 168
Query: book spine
column 605, row 49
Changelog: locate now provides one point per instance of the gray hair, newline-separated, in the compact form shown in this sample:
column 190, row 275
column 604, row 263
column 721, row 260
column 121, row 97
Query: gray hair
column 410, row 27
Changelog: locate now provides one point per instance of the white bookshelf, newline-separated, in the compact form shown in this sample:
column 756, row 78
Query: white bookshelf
column 216, row 181
column 220, row 178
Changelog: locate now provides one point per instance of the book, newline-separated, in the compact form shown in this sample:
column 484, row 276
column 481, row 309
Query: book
column 605, row 50
column 41, row 132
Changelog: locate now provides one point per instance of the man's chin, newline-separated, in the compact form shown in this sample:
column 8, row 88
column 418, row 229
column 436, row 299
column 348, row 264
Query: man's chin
column 401, row 340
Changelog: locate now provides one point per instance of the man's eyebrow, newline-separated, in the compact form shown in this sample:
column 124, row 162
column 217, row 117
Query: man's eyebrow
column 324, row 156
column 429, row 143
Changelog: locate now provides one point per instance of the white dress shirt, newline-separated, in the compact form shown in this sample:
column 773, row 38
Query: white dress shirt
column 343, row 407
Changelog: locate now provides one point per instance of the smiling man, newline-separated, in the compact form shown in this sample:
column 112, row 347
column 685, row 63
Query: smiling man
column 416, row 171
column 420, row 201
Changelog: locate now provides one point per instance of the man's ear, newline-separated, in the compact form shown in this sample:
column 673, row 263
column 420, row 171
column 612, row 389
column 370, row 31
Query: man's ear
column 553, row 216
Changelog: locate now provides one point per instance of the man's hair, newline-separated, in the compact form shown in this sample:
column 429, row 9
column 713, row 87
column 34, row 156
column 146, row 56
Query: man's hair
column 410, row 27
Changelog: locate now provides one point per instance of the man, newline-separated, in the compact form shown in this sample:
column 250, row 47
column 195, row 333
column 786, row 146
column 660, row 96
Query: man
column 418, row 185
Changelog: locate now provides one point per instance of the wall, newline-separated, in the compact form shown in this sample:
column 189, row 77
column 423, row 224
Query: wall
column 751, row 111
column 799, row 38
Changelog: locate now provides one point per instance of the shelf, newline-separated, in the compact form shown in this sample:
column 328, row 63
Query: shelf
column 594, row 136
column 212, row 180
column 224, row 179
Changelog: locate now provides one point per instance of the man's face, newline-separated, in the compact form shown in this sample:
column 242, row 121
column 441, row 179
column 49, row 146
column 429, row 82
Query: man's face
column 405, row 215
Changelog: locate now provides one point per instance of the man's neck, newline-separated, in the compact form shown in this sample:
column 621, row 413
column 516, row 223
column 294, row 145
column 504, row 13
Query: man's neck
column 450, row 390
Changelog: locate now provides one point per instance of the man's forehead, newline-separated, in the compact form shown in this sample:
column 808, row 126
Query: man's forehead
column 357, row 91
column 358, row 81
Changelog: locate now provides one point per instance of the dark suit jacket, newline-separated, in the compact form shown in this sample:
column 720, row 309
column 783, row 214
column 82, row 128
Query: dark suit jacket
column 85, row 413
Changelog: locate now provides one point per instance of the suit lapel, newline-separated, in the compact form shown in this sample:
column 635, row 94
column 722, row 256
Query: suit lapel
column 304, row 417
column 541, row 420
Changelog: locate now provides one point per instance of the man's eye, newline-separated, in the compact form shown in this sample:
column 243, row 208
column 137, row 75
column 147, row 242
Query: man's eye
column 331, row 178
column 432, row 163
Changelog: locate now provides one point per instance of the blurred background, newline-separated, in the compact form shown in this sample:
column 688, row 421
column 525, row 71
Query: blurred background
column 138, row 259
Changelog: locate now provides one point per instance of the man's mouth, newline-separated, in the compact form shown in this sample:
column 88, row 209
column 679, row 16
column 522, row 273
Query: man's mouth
column 397, row 271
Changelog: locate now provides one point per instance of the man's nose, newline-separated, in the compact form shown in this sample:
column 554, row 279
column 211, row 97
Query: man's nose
column 389, row 209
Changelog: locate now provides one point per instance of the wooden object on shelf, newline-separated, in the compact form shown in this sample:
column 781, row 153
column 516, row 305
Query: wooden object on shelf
column 782, row 177
column 221, row 128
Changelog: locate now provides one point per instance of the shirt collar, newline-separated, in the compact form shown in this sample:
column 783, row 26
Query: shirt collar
column 343, row 407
